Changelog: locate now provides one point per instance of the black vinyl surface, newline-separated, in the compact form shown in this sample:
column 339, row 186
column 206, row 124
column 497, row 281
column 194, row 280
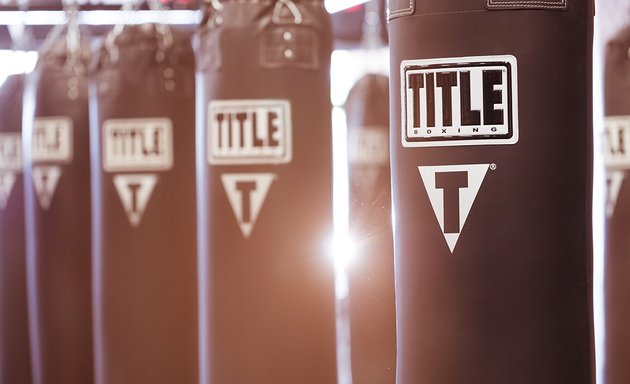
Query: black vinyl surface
column 511, row 301
column 617, row 251
column 267, row 305
column 57, row 184
column 145, row 276
column 15, row 366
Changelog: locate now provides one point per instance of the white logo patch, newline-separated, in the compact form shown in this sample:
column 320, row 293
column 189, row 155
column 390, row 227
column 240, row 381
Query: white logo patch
column 368, row 145
column 459, row 101
column 137, row 145
column 616, row 142
column 51, row 144
column 452, row 190
column 247, row 193
column 46, row 178
column 614, row 179
column 249, row 132
column 368, row 152
column 134, row 191
column 7, row 180
column 52, row 140
column 11, row 152
column 10, row 164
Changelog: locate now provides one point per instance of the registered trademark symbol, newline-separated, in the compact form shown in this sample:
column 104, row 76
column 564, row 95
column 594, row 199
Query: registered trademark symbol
column 493, row 166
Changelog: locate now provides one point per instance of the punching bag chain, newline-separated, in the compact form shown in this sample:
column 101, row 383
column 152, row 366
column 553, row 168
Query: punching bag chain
column 165, row 35
column 110, row 40
column 74, row 59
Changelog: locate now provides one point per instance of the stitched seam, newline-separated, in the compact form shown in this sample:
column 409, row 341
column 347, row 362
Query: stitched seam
column 401, row 12
column 526, row 6
column 540, row 3
column 268, row 2
column 525, row 2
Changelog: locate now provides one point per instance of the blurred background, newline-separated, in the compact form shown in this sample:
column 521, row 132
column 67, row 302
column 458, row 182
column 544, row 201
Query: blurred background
column 360, row 48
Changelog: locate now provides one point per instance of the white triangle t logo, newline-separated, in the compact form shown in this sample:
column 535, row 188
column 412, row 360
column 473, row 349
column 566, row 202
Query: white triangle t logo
column 614, row 179
column 134, row 192
column 46, row 179
column 452, row 190
column 7, row 180
column 247, row 193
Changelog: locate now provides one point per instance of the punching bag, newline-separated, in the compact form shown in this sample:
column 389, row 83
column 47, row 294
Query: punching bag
column 371, row 274
column 57, row 197
column 142, row 113
column 264, row 162
column 491, row 171
column 15, row 366
column 617, row 244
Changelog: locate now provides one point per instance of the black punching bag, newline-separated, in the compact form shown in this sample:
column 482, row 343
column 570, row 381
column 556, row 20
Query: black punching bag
column 264, row 163
column 57, row 193
column 142, row 113
column 491, row 171
column 15, row 366
column 617, row 241
column 371, row 273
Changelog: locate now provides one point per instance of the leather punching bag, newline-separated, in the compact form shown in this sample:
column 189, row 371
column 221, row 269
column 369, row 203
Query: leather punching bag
column 617, row 241
column 264, row 161
column 491, row 171
column 143, row 181
column 57, row 197
column 371, row 275
column 15, row 366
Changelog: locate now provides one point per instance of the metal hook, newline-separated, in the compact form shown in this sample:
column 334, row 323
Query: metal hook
column 291, row 6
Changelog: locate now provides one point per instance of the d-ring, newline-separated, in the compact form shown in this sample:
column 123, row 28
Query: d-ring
column 291, row 6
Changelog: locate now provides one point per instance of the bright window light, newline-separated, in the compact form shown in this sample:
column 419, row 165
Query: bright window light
column 342, row 249
column 333, row 6
column 14, row 62
column 173, row 17
column 347, row 66
column 102, row 17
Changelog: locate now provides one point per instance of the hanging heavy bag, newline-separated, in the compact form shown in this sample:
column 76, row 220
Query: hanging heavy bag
column 264, row 163
column 57, row 185
column 617, row 244
column 143, row 181
column 15, row 364
column 491, row 171
column 371, row 273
